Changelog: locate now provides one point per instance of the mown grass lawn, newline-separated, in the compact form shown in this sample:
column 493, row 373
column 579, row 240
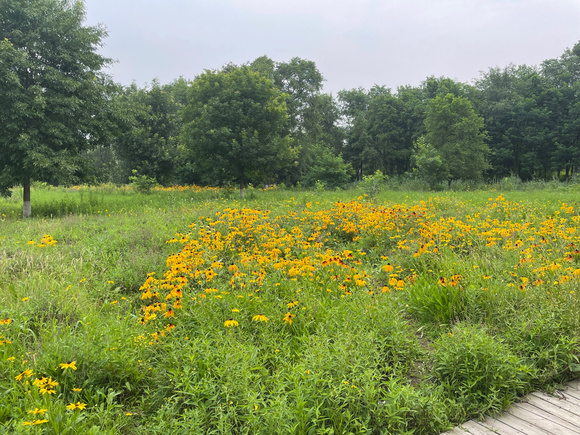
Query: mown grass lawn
column 190, row 311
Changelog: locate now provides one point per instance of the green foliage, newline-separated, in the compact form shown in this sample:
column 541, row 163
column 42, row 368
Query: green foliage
column 478, row 370
column 234, row 121
column 142, row 183
column 457, row 133
column 437, row 304
column 328, row 169
column 369, row 362
column 428, row 163
column 372, row 185
column 53, row 93
column 150, row 140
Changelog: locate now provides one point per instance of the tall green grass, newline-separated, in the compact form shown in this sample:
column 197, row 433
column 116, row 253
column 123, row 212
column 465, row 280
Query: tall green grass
column 419, row 361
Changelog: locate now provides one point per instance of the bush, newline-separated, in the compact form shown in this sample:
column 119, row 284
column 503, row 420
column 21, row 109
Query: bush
column 372, row 185
column 477, row 370
column 143, row 183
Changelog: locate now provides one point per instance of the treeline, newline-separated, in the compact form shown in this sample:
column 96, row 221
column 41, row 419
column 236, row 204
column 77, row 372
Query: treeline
column 519, row 120
column 64, row 121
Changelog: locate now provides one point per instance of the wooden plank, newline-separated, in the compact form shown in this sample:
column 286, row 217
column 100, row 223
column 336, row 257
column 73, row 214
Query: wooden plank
column 474, row 428
column 559, row 416
column 510, row 425
column 575, row 395
column 572, row 397
column 565, row 397
column 551, row 424
column 455, row 431
column 554, row 407
column 537, row 414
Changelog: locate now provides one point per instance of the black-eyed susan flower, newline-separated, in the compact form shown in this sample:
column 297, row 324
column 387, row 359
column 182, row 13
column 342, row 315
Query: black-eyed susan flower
column 35, row 422
column 25, row 374
column 292, row 304
column 260, row 318
column 71, row 365
column 79, row 405
column 36, row 411
column 388, row 268
column 230, row 323
column 288, row 317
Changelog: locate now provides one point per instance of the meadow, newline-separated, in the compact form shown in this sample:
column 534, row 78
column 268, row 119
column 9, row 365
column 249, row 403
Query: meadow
column 188, row 310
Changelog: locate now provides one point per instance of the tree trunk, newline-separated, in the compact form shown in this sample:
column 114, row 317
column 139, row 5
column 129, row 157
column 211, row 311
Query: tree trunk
column 242, row 185
column 26, row 209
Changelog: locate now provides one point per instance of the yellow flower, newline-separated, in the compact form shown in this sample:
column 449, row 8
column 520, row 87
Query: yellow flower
column 30, row 423
column 71, row 365
column 260, row 318
column 388, row 268
column 80, row 406
column 235, row 310
column 231, row 322
column 25, row 373
column 292, row 304
column 76, row 390
column 37, row 411
column 288, row 318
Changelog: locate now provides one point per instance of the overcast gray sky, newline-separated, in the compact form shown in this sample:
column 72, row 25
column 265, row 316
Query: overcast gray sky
column 354, row 43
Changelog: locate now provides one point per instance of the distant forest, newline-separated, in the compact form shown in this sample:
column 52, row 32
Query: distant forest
column 64, row 121
column 530, row 127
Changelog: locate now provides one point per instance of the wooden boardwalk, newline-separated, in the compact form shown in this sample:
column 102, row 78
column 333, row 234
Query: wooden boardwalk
column 535, row 414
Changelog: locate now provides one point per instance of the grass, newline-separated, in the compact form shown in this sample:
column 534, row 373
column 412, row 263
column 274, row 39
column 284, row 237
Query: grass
column 289, row 312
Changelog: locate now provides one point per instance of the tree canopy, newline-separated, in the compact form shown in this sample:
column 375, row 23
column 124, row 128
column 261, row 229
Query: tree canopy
column 457, row 133
column 233, row 126
column 52, row 90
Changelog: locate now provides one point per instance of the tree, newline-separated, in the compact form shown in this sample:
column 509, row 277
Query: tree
column 563, row 80
column 354, row 108
column 327, row 168
column 301, row 82
column 457, row 133
column 150, row 143
column 428, row 163
column 518, row 121
column 233, row 124
column 52, row 90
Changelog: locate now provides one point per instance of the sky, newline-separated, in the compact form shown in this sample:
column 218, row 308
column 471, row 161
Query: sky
column 354, row 43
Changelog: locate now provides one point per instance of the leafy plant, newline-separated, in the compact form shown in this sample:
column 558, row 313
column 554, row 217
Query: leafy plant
column 142, row 183
column 372, row 185
column 478, row 370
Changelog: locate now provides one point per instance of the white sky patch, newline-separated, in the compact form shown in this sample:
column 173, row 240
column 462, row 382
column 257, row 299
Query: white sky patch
column 354, row 43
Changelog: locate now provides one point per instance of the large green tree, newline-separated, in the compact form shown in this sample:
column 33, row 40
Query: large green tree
column 150, row 144
column 512, row 101
column 52, row 92
column 563, row 100
column 457, row 133
column 233, row 124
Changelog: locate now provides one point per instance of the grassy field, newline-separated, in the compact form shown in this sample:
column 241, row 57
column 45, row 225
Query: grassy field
column 190, row 311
